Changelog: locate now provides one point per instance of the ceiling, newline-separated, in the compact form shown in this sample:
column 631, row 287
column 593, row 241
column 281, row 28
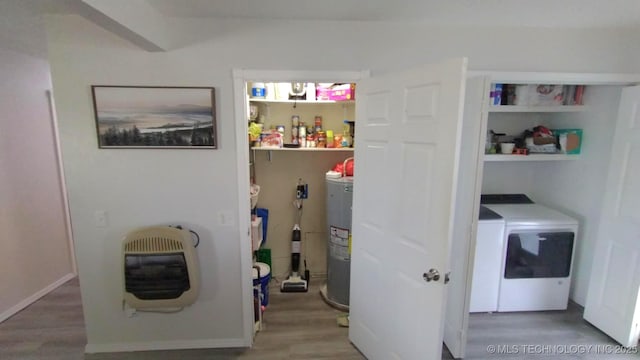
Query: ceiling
column 146, row 23
column 484, row 13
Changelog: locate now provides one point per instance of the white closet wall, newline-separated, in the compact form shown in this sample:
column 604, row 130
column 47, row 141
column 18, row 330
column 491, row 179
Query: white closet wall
column 576, row 187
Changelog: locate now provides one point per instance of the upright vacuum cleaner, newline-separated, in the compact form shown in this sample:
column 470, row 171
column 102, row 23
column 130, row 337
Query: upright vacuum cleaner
column 295, row 282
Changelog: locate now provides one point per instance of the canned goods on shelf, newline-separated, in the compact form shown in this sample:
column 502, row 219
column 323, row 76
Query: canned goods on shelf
column 321, row 140
column 329, row 138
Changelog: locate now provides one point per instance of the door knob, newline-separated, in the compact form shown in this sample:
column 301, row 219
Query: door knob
column 432, row 274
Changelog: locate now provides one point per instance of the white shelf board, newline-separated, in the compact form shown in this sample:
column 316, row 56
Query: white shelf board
column 533, row 109
column 302, row 101
column 504, row 77
column 531, row 157
column 301, row 149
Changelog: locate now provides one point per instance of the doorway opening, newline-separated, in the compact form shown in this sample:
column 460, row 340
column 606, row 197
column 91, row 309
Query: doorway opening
column 550, row 183
column 278, row 162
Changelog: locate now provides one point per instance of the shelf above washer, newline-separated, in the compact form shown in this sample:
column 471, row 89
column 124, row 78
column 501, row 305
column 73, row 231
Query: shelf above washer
column 534, row 109
column 530, row 157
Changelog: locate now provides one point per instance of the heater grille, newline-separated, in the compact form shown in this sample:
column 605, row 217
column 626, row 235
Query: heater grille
column 160, row 268
column 153, row 244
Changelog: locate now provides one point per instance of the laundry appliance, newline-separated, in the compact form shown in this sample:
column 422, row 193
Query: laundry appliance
column 488, row 264
column 537, row 254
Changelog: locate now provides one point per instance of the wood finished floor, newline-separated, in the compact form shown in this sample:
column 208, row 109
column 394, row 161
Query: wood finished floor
column 297, row 326
column 539, row 335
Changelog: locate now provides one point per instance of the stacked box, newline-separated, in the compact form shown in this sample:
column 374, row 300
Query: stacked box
column 539, row 95
column 341, row 92
column 570, row 140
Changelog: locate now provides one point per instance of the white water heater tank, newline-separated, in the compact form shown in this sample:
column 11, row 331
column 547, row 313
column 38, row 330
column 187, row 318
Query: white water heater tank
column 339, row 204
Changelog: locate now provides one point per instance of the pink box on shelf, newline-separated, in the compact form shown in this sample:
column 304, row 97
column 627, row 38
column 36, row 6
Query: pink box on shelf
column 342, row 92
column 271, row 140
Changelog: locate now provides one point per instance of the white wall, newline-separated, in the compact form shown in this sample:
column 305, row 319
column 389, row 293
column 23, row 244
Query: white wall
column 382, row 47
column 145, row 187
column 577, row 187
column 34, row 256
column 136, row 186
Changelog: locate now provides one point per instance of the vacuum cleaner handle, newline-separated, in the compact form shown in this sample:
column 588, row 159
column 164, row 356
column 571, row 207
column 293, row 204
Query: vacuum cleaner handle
column 295, row 262
column 295, row 250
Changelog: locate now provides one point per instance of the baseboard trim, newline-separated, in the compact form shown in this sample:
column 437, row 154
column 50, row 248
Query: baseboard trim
column 35, row 297
column 166, row 345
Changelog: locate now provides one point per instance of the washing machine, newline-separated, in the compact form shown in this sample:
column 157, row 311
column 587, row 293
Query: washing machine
column 537, row 257
column 487, row 263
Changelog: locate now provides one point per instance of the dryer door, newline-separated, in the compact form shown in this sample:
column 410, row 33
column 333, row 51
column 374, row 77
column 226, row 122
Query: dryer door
column 536, row 270
column 538, row 255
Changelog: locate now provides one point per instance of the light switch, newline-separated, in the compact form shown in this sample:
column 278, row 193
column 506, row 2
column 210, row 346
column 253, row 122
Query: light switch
column 225, row 218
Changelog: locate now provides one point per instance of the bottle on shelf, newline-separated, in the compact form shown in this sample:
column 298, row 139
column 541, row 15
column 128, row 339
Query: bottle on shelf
column 347, row 141
column 258, row 90
column 321, row 139
column 330, row 139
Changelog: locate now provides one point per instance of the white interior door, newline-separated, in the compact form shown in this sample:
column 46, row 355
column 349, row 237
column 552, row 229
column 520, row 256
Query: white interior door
column 408, row 131
column 612, row 299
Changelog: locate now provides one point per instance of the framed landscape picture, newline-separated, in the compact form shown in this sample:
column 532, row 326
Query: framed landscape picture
column 155, row 117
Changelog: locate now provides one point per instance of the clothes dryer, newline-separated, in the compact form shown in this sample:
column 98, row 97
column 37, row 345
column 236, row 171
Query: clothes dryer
column 536, row 263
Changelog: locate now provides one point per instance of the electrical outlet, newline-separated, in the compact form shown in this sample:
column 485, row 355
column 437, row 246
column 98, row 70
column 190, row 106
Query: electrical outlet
column 100, row 218
column 302, row 191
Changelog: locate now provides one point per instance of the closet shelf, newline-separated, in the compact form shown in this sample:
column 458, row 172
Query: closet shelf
column 301, row 149
column 534, row 109
column 303, row 101
column 531, row 157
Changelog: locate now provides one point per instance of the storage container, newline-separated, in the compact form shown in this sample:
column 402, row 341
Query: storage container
column 261, row 277
column 539, row 95
column 337, row 92
column 258, row 90
column 570, row 140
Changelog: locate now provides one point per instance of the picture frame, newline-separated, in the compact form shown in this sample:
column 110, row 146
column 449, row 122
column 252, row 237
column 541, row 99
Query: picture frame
column 160, row 117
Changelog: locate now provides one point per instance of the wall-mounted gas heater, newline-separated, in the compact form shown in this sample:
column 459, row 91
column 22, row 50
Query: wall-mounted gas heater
column 160, row 268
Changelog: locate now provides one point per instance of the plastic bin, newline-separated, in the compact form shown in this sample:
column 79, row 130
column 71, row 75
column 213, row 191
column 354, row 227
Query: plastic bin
column 261, row 277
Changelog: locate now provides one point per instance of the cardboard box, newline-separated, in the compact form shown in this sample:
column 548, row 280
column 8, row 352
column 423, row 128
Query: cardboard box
column 342, row 92
column 539, row 95
column 271, row 140
column 570, row 140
